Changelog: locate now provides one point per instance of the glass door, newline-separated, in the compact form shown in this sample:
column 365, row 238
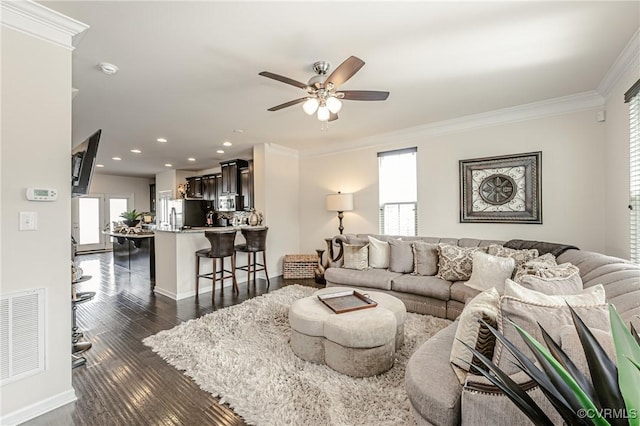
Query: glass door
column 92, row 215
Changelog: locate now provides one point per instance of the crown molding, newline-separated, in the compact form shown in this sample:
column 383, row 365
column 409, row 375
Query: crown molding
column 281, row 149
column 626, row 59
column 36, row 20
column 535, row 110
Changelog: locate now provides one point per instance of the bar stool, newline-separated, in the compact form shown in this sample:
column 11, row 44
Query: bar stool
column 256, row 241
column 221, row 247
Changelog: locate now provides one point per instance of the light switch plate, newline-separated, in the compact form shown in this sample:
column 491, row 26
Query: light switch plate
column 28, row 221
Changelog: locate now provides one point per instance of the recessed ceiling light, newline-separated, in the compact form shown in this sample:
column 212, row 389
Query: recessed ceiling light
column 168, row 165
column 136, row 151
column 162, row 140
column 220, row 151
column 238, row 131
column 191, row 159
column 108, row 68
column 99, row 165
column 116, row 158
column 227, row 143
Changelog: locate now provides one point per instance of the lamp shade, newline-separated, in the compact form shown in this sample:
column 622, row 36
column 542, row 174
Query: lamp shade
column 340, row 202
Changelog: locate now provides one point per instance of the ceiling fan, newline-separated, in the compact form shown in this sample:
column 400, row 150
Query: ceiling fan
column 323, row 95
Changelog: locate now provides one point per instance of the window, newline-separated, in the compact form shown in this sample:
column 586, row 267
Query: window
column 633, row 98
column 398, row 192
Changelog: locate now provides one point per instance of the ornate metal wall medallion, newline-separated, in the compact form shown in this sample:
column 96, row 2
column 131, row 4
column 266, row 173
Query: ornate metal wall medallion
column 503, row 189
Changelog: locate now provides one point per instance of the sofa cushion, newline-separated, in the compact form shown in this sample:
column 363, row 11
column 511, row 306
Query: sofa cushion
column 378, row 253
column 425, row 258
column 431, row 384
column 401, row 256
column 455, row 263
column 490, row 271
column 370, row 278
column 462, row 292
column 356, row 256
column 424, row 286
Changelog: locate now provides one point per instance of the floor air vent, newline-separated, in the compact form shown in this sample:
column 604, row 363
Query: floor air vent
column 21, row 334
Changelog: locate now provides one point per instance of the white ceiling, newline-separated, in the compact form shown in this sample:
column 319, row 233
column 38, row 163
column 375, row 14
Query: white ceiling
column 189, row 70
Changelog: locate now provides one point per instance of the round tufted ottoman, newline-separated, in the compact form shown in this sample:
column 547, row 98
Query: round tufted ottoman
column 360, row 343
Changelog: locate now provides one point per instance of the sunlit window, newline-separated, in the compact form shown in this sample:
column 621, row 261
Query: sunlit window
column 633, row 98
column 398, row 192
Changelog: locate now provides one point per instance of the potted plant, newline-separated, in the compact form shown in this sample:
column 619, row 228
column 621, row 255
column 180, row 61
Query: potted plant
column 132, row 217
column 611, row 397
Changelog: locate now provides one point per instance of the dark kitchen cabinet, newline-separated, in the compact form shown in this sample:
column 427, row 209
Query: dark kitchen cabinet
column 194, row 187
column 246, row 184
column 210, row 188
column 152, row 197
column 231, row 179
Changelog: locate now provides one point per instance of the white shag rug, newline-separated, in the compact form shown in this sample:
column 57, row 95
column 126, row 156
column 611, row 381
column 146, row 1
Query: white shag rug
column 242, row 354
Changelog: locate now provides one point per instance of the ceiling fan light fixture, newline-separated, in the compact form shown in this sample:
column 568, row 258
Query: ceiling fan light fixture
column 334, row 104
column 310, row 106
column 323, row 113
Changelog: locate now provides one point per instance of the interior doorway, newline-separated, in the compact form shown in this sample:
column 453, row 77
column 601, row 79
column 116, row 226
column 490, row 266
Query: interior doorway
column 93, row 214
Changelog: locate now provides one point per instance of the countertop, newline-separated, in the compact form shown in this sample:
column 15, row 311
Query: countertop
column 209, row 229
column 132, row 235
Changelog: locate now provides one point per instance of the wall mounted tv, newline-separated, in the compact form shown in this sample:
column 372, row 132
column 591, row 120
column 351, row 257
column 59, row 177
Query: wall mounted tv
column 83, row 160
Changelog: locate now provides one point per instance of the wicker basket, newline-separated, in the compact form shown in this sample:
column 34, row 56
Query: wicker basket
column 298, row 266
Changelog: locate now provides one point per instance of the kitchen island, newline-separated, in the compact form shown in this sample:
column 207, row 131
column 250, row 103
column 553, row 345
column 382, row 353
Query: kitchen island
column 135, row 252
column 176, row 259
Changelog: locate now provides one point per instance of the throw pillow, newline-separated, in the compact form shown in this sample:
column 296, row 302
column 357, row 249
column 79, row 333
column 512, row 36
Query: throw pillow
column 455, row 263
column 533, row 266
column 483, row 305
column 591, row 296
column 520, row 256
column 356, row 256
column 570, row 344
column 378, row 253
column 552, row 314
column 400, row 256
column 570, row 284
column 490, row 271
column 425, row 258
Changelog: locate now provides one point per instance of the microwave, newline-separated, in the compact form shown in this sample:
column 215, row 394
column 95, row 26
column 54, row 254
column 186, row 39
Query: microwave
column 230, row 203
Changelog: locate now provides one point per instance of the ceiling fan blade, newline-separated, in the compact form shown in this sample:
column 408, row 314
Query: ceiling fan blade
column 345, row 71
column 364, row 95
column 283, row 79
column 333, row 116
column 287, row 104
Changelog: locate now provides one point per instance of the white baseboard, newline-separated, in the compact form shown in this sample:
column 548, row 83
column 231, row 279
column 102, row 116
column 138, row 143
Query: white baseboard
column 39, row 408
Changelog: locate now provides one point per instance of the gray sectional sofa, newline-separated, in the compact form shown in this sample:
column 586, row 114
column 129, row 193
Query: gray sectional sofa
column 435, row 393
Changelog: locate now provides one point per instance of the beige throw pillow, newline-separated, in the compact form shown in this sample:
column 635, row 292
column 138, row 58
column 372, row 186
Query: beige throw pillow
column 401, row 256
column 456, row 263
column 378, row 253
column 356, row 256
column 591, row 296
column 570, row 344
column 490, row 271
column 570, row 284
column 425, row 258
column 483, row 305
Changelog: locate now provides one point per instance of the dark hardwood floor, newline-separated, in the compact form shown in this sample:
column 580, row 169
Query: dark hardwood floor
column 123, row 381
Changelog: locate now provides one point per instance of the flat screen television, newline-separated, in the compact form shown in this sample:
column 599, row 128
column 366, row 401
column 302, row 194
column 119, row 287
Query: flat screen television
column 83, row 161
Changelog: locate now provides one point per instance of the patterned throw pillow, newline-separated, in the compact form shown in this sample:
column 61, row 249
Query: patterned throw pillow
column 520, row 256
column 532, row 267
column 456, row 263
column 356, row 256
column 469, row 331
column 425, row 258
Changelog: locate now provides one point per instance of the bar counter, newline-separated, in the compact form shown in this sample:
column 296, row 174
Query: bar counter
column 135, row 252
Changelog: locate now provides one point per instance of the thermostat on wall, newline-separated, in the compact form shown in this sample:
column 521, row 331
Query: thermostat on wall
column 41, row 194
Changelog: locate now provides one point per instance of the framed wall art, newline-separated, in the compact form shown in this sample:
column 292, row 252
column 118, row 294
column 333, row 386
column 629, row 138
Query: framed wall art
column 504, row 189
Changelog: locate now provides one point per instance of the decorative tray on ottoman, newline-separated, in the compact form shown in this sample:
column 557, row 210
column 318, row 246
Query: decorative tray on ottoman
column 346, row 301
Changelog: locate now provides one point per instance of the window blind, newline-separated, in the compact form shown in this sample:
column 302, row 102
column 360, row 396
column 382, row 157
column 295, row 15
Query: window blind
column 634, row 180
column 398, row 193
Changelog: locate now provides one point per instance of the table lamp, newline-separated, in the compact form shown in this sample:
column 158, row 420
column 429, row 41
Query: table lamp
column 340, row 203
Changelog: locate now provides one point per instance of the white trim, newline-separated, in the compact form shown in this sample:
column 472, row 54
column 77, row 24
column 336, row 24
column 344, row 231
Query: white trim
column 550, row 107
column 39, row 408
column 280, row 149
column 41, row 22
column 627, row 58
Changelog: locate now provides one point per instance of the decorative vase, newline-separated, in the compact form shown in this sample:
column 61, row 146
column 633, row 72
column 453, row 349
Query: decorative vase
column 131, row 223
column 319, row 271
column 253, row 218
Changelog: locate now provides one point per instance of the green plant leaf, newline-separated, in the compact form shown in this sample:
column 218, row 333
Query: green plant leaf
column 563, row 381
column 628, row 373
column 510, row 388
column 604, row 373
